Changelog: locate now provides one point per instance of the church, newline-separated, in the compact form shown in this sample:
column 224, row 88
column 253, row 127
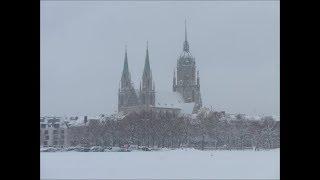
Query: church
column 185, row 96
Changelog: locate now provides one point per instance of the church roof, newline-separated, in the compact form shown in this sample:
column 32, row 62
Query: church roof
column 173, row 100
column 125, row 71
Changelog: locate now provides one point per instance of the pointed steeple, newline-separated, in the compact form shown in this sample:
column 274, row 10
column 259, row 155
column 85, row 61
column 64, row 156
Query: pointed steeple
column 125, row 78
column 125, row 65
column 146, row 70
column 147, row 94
column 185, row 44
column 147, row 75
column 185, row 30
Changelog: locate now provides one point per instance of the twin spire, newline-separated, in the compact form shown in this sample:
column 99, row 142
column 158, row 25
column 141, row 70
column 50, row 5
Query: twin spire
column 146, row 77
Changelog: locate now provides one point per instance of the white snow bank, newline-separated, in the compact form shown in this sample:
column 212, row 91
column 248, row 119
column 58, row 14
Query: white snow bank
column 182, row 164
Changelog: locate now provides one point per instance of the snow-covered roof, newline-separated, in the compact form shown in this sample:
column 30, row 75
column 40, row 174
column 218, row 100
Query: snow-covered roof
column 169, row 99
column 70, row 121
column 76, row 122
column 51, row 121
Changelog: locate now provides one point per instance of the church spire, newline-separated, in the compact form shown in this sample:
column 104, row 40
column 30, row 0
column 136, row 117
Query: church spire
column 147, row 94
column 125, row 65
column 185, row 44
column 185, row 30
column 147, row 77
column 125, row 78
column 146, row 70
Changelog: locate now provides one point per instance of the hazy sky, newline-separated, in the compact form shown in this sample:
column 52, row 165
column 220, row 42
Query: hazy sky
column 236, row 46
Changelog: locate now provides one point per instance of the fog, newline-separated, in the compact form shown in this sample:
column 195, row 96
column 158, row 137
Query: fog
column 235, row 45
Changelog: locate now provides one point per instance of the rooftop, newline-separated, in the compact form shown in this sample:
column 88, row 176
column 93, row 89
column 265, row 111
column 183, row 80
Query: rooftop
column 168, row 99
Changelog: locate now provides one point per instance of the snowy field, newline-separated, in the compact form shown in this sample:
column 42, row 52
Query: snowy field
column 166, row 164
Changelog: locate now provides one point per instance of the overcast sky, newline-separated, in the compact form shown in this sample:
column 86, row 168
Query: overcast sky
column 235, row 44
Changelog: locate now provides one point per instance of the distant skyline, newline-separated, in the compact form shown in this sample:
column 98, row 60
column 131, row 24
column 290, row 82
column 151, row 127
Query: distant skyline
column 235, row 45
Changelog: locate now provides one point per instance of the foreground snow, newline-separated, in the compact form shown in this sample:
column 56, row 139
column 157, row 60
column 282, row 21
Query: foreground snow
column 166, row 164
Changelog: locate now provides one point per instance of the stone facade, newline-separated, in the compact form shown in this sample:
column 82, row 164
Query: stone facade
column 128, row 98
column 53, row 132
column 127, row 95
column 147, row 90
column 186, row 82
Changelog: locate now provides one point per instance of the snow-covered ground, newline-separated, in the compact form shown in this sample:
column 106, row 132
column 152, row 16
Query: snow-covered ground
column 165, row 164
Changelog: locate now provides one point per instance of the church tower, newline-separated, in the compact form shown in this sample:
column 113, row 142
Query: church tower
column 126, row 94
column 147, row 91
column 187, row 83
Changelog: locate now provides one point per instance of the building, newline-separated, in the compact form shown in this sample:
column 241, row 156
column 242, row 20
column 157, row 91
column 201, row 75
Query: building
column 128, row 98
column 127, row 95
column 186, row 82
column 60, row 131
column 53, row 132
column 186, row 87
